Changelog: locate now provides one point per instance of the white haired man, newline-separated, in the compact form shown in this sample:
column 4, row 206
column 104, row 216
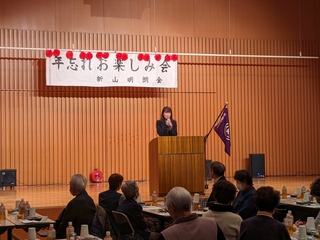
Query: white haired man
column 187, row 225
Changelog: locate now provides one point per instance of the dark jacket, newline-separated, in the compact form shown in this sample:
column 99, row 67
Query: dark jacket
column 244, row 205
column 163, row 129
column 109, row 200
column 79, row 210
column 211, row 198
column 263, row 228
column 134, row 212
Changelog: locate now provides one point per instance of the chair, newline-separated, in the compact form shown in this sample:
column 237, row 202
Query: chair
column 107, row 222
column 126, row 230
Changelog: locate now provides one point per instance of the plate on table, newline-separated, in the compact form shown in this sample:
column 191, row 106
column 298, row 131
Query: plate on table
column 302, row 202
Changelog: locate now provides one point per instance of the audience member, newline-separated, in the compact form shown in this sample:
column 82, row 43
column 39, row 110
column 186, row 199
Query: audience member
column 133, row 210
column 80, row 210
column 263, row 226
column 217, row 170
column 222, row 211
column 109, row 199
column 243, row 205
column 185, row 224
column 315, row 192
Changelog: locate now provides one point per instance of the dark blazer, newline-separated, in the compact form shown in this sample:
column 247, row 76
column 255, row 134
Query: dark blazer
column 134, row 212
column 109, row 200
column 244, row 205
column 163, row 129
column 79, row 210
column 211, row 198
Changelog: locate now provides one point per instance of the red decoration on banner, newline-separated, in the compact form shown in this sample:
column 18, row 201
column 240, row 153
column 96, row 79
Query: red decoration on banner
column 146, row 57
column 105, row 55
column 49, row 53
column 157, row 57
column 167, row 58
column 174, row 57
column 119, row 56
column 99, row 55
column 82, row 55
column 89, row 55
column 56, row 52
column 124, row 56
column 140, row 56
column 69, row 54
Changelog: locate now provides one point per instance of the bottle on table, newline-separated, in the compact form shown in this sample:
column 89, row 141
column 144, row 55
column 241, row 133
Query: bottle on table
column 2, row 212
column 51, row 234
column 154, row 198
column 26, row 209
column 22, row 207
column 108, row 236
column 284, row 192
column 303, row 190
column 69, row 231
column 290, row 222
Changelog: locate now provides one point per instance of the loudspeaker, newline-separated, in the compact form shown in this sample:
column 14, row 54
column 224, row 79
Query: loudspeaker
column 8, row 178
column 257, row 165
column 208, row 163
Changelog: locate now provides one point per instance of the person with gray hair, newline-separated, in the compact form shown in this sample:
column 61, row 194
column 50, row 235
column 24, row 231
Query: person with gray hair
column 217, row 170
column 80, row 210
column 187, row 225
column 133, row 210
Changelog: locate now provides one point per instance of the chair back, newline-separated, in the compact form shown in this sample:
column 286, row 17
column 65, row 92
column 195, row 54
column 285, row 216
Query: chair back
column 124, row 224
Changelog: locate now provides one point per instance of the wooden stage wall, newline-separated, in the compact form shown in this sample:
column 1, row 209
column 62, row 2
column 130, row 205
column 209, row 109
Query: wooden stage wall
column 50, row 133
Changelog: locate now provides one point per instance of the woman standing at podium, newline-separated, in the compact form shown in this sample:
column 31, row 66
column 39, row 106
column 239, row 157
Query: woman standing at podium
column 166, row 125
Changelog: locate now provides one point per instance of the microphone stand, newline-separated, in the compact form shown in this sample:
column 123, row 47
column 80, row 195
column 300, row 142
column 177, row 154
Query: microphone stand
column 206, row 137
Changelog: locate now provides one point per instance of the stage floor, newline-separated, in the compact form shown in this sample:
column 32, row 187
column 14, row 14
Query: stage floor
column 58, row 195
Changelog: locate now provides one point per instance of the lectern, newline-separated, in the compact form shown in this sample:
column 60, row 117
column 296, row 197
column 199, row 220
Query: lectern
column 177, row 161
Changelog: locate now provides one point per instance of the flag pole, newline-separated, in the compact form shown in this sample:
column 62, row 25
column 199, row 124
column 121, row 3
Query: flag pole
column 205, row 140
column 207, row 135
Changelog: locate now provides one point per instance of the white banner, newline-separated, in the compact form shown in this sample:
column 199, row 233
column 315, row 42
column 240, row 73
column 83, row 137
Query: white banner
column 96, row 69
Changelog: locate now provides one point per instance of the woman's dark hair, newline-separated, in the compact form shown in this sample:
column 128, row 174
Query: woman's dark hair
column 315, row 188
column 266, row 199
column 165, row 109
column 224, row 191
column 243, row 176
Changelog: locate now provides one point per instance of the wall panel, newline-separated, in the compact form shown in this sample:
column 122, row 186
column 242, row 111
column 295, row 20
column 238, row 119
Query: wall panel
column 49, row 133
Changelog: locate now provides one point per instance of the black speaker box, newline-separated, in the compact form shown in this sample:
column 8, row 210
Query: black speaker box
column 208, row 163
column 257, row 165
column 8, row 178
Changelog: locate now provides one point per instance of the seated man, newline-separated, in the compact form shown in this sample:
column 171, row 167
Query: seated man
column 217, row 170
column 80, row 210
column 315, row 192
column 133, row 210
column 224, row 192
column 109, row 199
column 263, row 226
column 187, row 225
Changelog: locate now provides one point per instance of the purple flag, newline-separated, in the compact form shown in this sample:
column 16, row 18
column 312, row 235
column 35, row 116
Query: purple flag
column 223, row 130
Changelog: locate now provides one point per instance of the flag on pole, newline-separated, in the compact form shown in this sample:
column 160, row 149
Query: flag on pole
column 223, row 130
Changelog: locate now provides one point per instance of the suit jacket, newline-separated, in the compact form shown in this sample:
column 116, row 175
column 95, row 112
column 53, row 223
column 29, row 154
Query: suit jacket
column 211, row 198
column 80, row 210
column 109, row 200
column 163, row 129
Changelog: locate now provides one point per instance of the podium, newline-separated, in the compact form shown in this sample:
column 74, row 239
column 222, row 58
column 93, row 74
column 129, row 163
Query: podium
column 177, row 161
